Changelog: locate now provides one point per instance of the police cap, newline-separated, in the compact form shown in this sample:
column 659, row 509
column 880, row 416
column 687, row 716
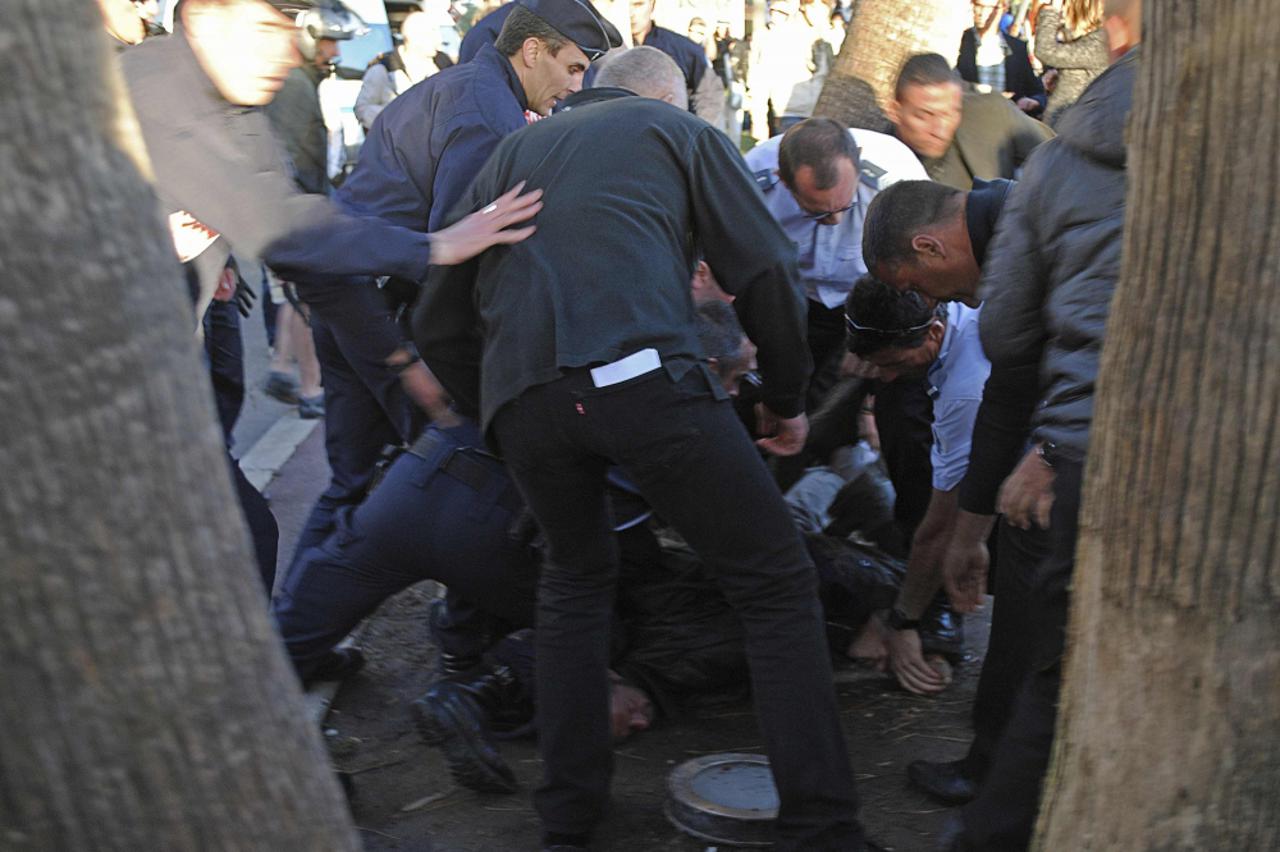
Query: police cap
column 578, row 21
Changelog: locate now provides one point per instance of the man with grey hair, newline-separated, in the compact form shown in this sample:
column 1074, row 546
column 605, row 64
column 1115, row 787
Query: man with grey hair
column 646, row 71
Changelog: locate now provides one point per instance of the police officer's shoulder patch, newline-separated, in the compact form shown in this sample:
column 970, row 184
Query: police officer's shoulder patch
column 765, row 179
column 871, row 174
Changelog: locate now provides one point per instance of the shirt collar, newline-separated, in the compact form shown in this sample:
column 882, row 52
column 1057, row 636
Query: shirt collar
column 489, row 55
column 981, row 211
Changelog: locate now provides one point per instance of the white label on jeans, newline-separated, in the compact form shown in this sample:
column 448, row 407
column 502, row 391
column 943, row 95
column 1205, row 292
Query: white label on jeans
column 644, row 361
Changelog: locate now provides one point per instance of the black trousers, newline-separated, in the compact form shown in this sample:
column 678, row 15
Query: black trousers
column 448, row 517
column 1003, row 816
column 1009, row 652
column 365, row 406
column 224, row 349
column 691, row 459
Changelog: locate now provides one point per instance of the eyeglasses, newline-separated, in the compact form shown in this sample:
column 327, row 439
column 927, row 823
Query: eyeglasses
column 854, row 328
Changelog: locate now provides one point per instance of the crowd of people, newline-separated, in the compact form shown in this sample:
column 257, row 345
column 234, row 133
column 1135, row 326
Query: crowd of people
column 668, row 423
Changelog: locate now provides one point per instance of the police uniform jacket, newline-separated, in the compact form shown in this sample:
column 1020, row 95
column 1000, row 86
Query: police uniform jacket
column 222, row 164
column 428, row 144
column 633, row 186
column 830, row 256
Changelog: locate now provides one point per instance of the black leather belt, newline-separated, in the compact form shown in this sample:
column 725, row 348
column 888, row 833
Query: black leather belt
column 462, row 464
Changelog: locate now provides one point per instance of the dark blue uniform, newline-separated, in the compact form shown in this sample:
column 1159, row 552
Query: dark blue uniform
column 484, row 31
column 691, row 58
column 419, row 156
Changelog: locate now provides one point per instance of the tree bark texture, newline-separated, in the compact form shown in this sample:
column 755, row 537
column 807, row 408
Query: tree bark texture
column 145, row 702
column 882, row 34
column 1169, row 730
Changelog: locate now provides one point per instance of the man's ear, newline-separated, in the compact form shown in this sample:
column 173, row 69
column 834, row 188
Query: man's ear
column 937, row 330
column 529, row 51
column 928, row 245
column 893, row 111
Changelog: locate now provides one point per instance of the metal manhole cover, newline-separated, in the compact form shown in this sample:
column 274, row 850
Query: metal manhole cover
column 726, row 798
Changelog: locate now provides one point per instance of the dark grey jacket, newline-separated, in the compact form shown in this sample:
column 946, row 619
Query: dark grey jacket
column 1050, row 273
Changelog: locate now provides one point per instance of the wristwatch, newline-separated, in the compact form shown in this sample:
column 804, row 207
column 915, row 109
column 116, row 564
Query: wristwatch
column 898, row 620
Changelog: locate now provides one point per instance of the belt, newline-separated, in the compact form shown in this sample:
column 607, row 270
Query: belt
column 462, row 464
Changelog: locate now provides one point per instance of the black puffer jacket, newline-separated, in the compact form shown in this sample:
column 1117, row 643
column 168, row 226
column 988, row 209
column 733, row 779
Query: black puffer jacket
column 1050, row 273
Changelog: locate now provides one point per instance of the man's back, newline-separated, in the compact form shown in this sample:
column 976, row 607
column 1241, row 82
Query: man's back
column 629, row 184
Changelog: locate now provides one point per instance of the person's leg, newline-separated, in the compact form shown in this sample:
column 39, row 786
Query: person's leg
column 263, row 528
column 422, row 522
column 1003, row 815
column 304, row 352
column 696, row 466
column 1008, row 659
column 355, row 433
column 564, row 488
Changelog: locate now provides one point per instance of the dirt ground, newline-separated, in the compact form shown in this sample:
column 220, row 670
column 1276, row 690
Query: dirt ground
column 405, row 799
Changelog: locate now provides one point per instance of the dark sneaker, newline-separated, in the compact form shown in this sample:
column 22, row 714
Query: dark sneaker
column 281, row 386
column 311, row 407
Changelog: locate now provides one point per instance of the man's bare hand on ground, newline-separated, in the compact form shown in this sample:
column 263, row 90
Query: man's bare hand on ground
column 909, row 666
column 487, row 227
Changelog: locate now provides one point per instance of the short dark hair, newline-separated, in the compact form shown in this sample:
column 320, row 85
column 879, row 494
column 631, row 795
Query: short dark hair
column 521, row 25
column 923, row 69
column 719, row 331
column 817, row 143
column 897, row 214
column 879, row 317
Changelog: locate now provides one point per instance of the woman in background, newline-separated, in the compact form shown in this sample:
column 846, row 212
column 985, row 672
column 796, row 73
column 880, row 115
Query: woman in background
column 1070, row 39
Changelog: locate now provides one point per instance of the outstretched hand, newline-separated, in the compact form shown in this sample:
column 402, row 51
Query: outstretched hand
column 487, row 227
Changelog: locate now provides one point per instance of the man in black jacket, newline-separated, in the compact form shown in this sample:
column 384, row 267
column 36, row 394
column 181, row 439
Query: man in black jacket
column 921, row 236
column 1047, row 292
column 592, row 358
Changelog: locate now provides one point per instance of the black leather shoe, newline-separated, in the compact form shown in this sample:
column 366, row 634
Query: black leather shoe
column 951, row 839
column 554, row 842
column 455, row 717
column 945, row 781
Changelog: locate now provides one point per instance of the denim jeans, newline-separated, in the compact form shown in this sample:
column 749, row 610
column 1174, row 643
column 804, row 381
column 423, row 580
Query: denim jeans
column 680, row 443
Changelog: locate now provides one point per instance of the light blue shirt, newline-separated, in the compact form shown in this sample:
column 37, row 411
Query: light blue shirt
column 830, row 256
column 956, row 381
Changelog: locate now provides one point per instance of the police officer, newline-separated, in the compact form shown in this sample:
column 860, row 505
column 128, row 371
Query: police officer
column 419, row 156
column 818, row 179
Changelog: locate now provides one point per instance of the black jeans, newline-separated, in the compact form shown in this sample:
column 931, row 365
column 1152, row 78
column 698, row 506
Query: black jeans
column 691, row 459
column 1003, row 816
column 1009, row 652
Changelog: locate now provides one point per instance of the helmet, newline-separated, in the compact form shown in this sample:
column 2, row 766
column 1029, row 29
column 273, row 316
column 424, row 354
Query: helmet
column 322, row 19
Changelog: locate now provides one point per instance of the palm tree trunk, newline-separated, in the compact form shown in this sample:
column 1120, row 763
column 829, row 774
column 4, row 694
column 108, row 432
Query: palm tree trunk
column 882, row 34
column 146, row 701
column 1169, row 731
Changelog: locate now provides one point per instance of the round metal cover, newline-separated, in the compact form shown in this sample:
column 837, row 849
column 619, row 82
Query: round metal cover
column 725, row 798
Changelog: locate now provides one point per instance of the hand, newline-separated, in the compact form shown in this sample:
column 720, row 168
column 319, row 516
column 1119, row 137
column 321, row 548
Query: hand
column 226, row 287
column 1027, row 105
column 1027, row 495
column 788, row 433
column 851, row 366
column 867, row 430
column 487, row 227
column 907, row 662
column 964, row 573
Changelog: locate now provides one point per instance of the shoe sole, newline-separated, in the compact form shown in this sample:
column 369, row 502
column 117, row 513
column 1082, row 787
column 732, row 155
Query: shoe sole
column 463, row 747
